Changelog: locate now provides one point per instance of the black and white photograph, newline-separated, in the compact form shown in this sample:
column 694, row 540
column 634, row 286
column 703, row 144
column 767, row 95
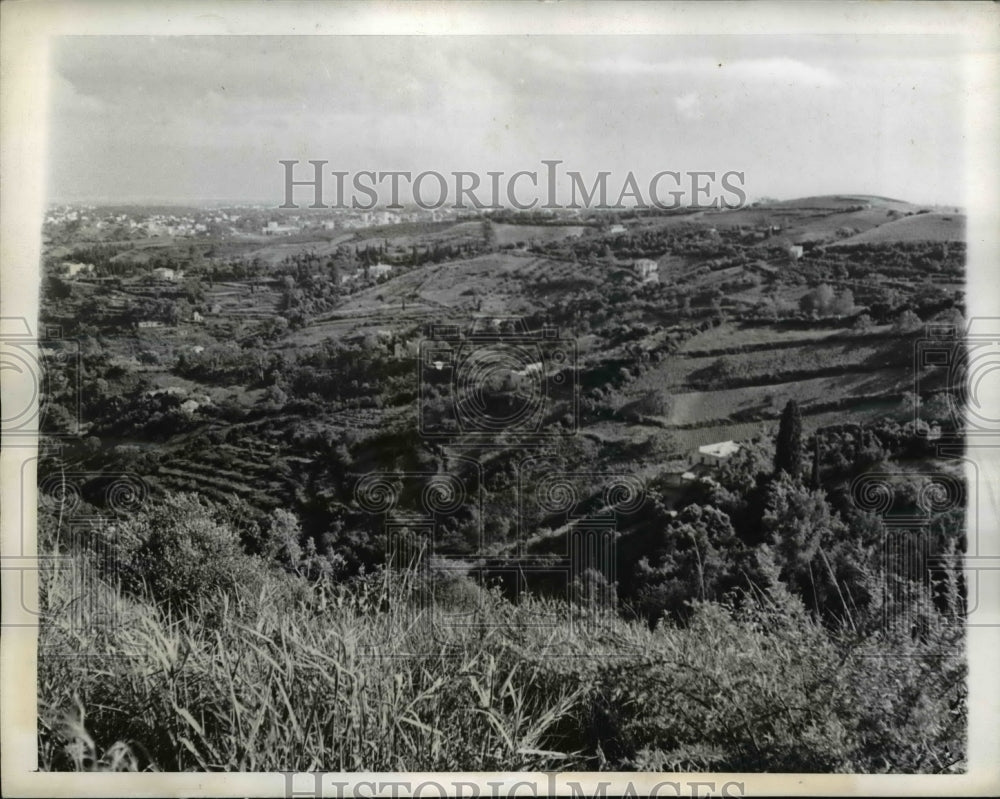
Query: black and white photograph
column 410, row 395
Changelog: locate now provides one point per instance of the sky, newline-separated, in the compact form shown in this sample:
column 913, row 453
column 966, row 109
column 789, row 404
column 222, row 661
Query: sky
column 201, row 118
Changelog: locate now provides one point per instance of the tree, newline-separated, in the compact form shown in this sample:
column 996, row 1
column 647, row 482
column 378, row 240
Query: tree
column 939, row 407
column 697, row 556
column 788, row 447
column 281, row 537
column 181, row 553
column 489, row 233
column 798, row 524
column 906, row 322
column 844, row 303
column 723, row 368
column 275, row 396
column 650, row 403
column 818, row 300
column 953, row 316
column 863, row 323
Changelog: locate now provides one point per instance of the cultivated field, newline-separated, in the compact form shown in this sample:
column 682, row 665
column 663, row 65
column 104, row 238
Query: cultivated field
column 920, row 227
column 526, row 234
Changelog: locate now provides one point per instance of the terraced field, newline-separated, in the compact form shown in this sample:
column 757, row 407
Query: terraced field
column 763, row 366
column 236, row 300
column 274, row 253
column 717, row 340
column 226, row 471
column 758, row 369
column 447, row 292
column 700, row 407
column 515, row 234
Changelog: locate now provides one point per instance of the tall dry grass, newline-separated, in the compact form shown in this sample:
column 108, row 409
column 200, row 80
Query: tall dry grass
column 370, row 677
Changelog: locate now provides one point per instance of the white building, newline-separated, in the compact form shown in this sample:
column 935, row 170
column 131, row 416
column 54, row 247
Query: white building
column 163, row 273
column 714, row 454
column 386, row 218
column 647, row 269
column 75, row 269
column 795, row 251
column 379, row 270
column 274, row 229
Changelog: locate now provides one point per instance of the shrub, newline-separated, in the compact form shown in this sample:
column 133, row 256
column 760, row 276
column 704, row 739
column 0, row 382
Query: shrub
column 766, row 688
column 181, row 555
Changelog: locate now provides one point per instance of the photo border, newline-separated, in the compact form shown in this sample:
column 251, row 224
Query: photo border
column 27, row 30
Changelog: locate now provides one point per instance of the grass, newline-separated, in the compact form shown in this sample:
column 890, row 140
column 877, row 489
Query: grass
column 920, row 227
column 768, row 364
column 762, row 366
column 373, row 676
column 731, row 335
column 354, row 689
column 515, row 234
column 704, row 407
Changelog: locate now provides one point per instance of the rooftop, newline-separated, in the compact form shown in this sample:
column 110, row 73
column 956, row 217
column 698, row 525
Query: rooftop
column 721, row 449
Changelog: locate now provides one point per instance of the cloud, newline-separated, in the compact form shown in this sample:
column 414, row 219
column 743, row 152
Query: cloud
column 689, row 106
column 782, row 71
column 220, row 111
column 785, row 71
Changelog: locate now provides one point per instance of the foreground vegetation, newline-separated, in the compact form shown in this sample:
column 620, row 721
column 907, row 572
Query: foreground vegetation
column 224, row 663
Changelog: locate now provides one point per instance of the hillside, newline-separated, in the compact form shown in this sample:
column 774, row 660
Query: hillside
column 367, row 480
column 301, row 347
column 841, row 202
column 920, row 227
column 844, row 219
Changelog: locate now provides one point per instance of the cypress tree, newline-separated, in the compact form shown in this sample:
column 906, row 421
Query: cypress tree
column 815, row 464
column 788, row 447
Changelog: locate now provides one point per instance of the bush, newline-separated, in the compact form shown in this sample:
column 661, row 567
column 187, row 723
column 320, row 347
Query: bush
column 906, row 322
column 182, row 556
column 766, row 688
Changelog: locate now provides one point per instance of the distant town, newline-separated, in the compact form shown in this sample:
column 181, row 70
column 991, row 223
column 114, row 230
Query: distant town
column 236, row 220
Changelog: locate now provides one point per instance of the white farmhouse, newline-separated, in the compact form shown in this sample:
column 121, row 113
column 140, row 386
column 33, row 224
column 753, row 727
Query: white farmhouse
column 647, row 269
column 714, row 454
column 274, row 229
column 74, row 269
column 164, row 273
